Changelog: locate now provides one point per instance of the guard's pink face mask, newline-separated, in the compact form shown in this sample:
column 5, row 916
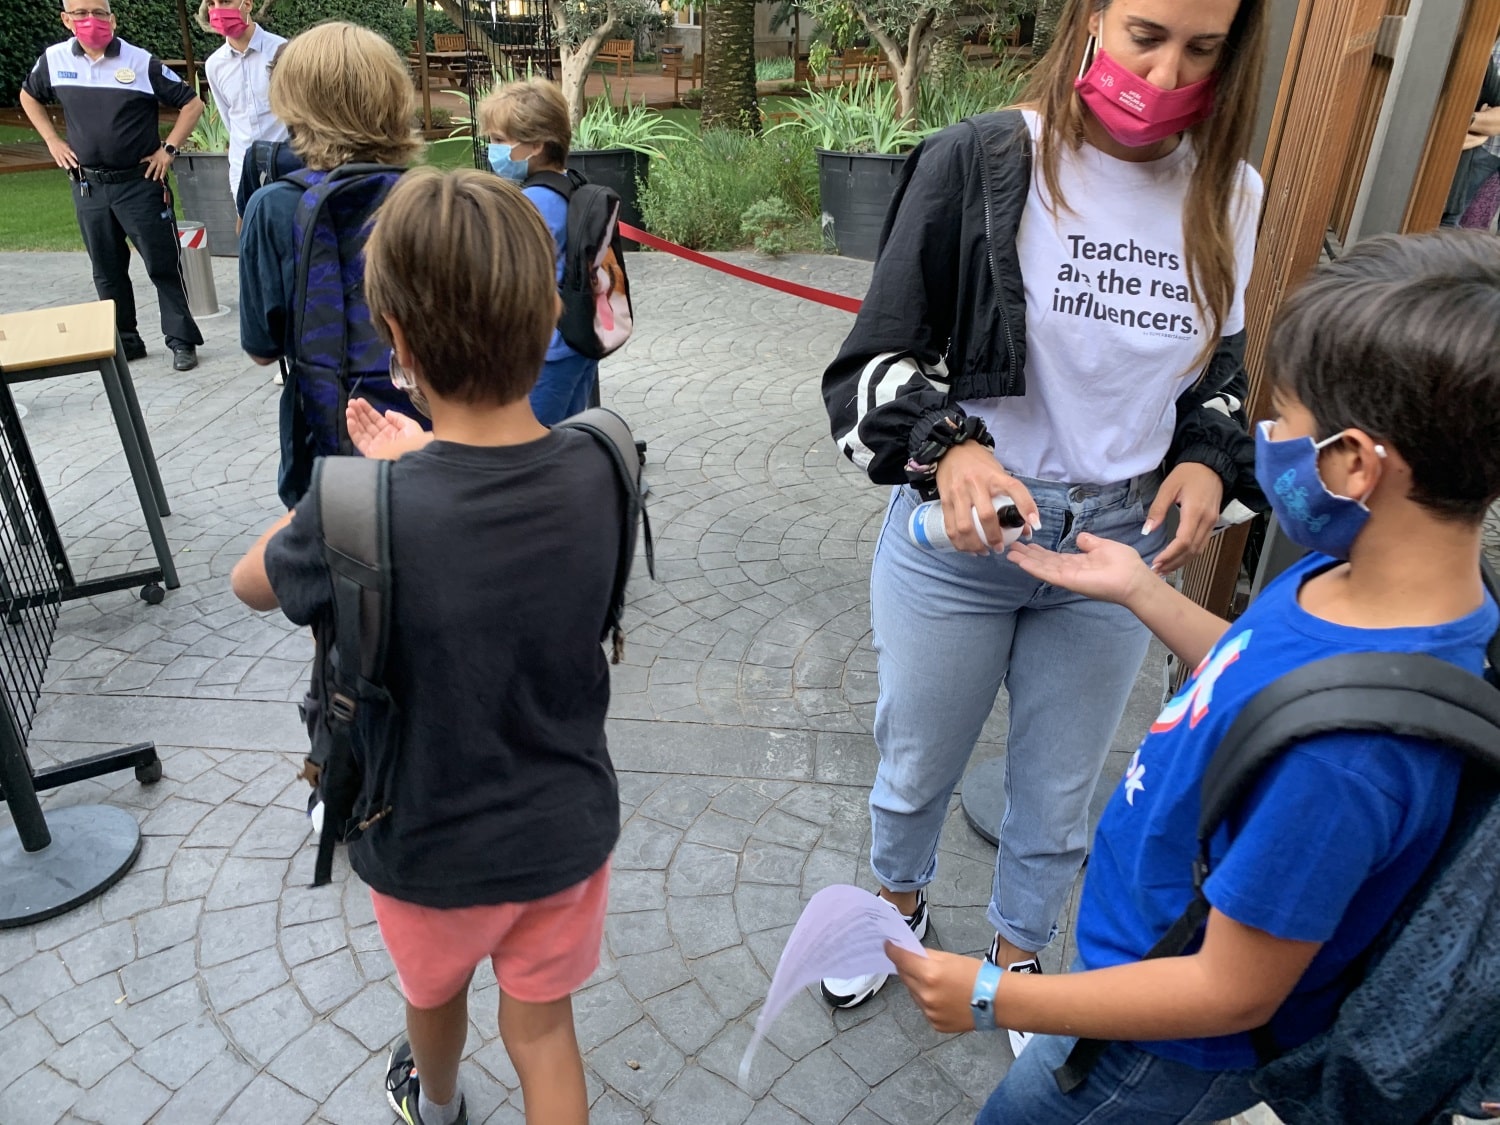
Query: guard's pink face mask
column 1134, row 111
column 93, row 33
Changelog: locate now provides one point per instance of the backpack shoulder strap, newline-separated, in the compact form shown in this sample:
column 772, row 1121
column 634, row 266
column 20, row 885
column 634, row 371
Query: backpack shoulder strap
column 559, row 182
column 1408, row 694
column 612, row 432
column 353, row 502
column 353, row 495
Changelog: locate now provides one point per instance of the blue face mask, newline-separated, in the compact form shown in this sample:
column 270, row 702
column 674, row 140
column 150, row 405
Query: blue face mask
column 1309, row 514
column 504, row 166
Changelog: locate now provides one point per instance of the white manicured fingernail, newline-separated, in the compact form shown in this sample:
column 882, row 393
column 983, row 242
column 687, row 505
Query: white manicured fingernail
column 1148, row 527
column 1036, row 523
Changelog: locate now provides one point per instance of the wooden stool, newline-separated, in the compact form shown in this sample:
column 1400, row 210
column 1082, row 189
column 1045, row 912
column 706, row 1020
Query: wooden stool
column 45, row 343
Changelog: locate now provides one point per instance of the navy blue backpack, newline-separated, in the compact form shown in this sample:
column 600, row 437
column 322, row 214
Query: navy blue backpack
column 339, row 355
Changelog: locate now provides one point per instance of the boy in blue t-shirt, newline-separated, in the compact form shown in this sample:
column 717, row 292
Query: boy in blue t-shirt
column 529, row 132
column 1382, row 459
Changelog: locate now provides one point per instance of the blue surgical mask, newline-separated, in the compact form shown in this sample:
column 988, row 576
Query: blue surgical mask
column 1310, row 515
column 505, row 167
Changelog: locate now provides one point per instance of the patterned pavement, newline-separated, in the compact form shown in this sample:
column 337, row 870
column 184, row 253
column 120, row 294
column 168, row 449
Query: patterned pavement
column 212, row 984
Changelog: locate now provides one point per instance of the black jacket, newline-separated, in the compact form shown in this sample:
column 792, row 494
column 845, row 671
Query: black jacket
column 947, row 288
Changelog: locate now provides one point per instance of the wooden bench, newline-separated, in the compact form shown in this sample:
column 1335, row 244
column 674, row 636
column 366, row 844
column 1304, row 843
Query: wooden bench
column 980, row 54
column 448, row 43
column 621, row 52
column 847, row 67
column 680, row 72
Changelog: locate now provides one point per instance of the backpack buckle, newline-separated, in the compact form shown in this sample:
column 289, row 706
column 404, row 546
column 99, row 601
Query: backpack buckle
column 341, row 707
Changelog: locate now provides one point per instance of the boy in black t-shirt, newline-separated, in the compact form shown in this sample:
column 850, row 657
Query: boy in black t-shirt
column 504, row 541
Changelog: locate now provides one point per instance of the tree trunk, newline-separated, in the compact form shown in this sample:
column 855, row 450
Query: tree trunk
column 908, row 59
column 1048, row 12
column 729, row 67
column 576, row 61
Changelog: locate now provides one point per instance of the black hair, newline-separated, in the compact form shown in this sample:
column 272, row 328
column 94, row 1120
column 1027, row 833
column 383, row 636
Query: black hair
column 1400, row 338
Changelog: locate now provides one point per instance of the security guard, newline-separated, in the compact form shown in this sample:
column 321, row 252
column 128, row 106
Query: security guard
column 114, row 155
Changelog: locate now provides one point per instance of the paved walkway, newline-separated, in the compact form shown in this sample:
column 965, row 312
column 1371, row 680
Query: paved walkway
column 212, row 985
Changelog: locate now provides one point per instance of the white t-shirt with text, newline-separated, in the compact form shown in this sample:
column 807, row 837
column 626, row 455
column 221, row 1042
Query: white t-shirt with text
column 1112, row 331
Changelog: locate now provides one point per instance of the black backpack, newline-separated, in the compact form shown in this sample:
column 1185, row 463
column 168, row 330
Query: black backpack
column 350, row 715
column 597, row 316
column 1415, row 1039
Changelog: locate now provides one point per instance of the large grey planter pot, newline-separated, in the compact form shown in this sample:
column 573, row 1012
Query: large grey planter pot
column 856, row 190
column 204, row 195
column 623, row 169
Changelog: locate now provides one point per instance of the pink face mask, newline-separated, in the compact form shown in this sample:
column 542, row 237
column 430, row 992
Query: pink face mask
column 229, row 22
column 94, row 34
column 1135, row 112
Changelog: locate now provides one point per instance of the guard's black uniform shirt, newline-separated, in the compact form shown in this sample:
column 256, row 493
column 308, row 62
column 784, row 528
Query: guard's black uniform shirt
column 111, row 105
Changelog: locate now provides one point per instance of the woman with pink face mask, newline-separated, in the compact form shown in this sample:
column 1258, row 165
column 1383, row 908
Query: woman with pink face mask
column 1056, row 317
column 239, row 74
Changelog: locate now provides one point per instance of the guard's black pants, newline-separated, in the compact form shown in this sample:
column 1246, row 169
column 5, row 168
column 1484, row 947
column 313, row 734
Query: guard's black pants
column 142, row 210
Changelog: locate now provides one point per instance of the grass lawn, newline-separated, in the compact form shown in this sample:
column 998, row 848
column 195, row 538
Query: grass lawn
column 36, row 212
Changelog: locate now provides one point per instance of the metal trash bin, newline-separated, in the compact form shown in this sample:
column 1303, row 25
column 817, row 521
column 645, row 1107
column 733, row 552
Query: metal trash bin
column 197, row 269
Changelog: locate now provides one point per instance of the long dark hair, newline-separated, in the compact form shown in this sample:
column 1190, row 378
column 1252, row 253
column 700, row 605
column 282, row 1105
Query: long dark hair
column 1221, row 143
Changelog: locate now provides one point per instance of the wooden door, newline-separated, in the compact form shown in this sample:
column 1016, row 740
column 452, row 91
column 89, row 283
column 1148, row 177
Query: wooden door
column 1312, row 133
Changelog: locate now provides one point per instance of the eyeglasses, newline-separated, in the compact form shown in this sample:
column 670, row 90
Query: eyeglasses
column 85, row 13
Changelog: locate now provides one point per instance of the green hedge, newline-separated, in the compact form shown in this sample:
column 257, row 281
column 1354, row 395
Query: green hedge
column 28, row 27
column 388, row 17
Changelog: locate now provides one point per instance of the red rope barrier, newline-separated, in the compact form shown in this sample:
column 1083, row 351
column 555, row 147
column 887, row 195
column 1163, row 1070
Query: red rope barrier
column 755, row 277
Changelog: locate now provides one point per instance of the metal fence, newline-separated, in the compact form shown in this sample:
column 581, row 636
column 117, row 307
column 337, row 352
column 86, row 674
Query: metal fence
column 506, row 40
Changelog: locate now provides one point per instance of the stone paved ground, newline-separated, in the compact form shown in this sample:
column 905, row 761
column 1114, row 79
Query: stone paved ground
column 212, row 984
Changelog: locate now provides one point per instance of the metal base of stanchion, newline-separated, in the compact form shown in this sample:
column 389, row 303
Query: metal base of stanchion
column 983, row 798
column 92, row 848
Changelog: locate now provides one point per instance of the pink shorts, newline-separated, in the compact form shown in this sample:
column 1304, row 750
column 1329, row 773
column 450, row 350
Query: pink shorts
column 542, row 950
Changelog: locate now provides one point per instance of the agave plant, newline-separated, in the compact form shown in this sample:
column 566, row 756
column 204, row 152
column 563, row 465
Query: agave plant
column 968, row 91
column 864, row 117
column 606, row 125
column 211, row 134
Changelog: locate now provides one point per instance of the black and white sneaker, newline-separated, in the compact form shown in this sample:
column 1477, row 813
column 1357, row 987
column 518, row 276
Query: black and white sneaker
column 851, row 992
column 1018, row 1039
column 402, row 1089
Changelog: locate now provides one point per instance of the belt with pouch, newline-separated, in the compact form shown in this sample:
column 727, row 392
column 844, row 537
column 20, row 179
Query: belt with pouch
column 114, row 175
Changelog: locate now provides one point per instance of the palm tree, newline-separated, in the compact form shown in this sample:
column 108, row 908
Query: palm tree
column 1048, row 12
column 729, row 66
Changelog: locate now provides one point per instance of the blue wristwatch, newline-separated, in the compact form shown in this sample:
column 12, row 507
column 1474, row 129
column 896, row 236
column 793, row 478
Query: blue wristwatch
column 982, row 1002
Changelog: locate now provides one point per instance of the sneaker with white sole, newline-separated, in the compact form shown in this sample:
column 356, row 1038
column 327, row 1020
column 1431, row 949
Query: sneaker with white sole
column 1018, row 1039
column 851, row 992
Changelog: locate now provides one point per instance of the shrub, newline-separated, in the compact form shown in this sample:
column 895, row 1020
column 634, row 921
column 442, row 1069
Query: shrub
column 699, row 192
column 779, row 69
column 770, row 223
column 386, row 17
column 26, row 30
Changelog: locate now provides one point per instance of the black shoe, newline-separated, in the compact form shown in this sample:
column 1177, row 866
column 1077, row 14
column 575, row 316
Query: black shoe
column 1019, row 1040
column 135, row 349
column 402, row 1089
column 184, row 358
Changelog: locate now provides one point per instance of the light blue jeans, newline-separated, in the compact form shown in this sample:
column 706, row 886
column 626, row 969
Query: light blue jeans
column 1127, row 1086
column 950, row 629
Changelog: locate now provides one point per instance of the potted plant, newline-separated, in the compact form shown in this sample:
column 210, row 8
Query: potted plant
column 862, row 141
column 202, row 174
column 613, row 145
